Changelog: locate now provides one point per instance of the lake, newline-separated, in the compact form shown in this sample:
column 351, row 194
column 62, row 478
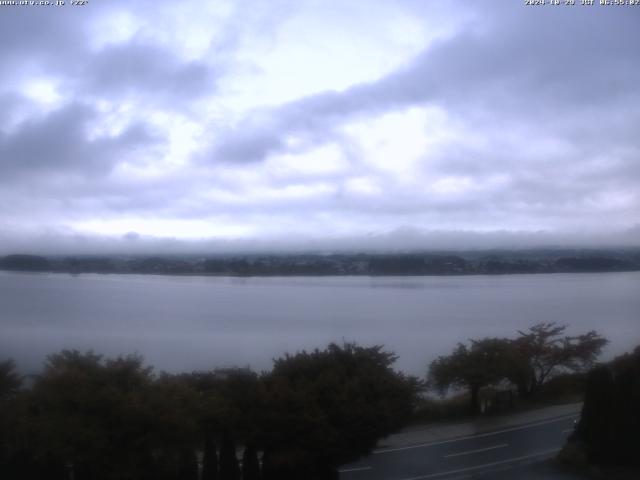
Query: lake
column 186, row 323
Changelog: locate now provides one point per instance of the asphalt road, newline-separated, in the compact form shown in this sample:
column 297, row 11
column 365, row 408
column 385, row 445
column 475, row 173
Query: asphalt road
column 511, row 451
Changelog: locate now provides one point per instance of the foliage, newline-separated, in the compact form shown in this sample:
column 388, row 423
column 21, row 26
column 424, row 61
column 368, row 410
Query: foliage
column 610, row 420
column 113, row 418
column 430, row 409
column 544, row 350
column 463, row 263
column 209, row 459
column 91, row 413
column 250, row 463
column 229, row 467
column 330, row 406
column 527, row 362
column 103, row 419
column 10, row 381
column 563, row 388
column 482, row 363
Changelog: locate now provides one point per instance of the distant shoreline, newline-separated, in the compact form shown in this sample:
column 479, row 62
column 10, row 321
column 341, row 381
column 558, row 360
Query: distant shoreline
column 332, row 265
column 308, row 275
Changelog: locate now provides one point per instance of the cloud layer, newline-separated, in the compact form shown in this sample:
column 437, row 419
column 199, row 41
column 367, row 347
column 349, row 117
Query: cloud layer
column 300, row 122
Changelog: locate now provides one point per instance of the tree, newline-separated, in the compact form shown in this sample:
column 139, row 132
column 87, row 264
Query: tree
column 250, row 464
column 171, row 409
column 229, row 468
column 209, row 459
column 231, row 401
column 528, row 361
column 328, row 407
column 483, row 363
column 597, row 419
column 610, row 419
column 10, row 381
column 187, row 464
column 542, row 351
column 229, row 408
column 111, row 418
column 67, row 413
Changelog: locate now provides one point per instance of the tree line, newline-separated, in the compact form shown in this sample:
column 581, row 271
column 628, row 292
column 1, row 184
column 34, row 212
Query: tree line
column 87, row 417
column 444, row 263
column 525, row 362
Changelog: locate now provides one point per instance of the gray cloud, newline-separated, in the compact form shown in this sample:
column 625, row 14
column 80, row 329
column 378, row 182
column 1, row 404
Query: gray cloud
column 551, row 94
column 10, row 105
column 146, row 69
column 519, row 79
column 45, row 36
column 523, row 66
column 249, row 143
column 57, row 43
column 58, row 143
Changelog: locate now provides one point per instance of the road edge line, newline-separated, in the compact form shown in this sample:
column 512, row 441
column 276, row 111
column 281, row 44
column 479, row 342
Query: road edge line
column 477, row 467
column 477, row 435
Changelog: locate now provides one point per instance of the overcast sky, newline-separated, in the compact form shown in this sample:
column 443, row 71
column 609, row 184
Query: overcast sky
column 318, row 124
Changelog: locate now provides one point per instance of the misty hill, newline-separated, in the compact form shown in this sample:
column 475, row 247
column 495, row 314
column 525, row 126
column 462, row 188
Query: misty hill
column 33, row 263
column 426, row 263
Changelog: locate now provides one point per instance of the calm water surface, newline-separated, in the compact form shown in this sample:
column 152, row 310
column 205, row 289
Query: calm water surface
column 185, row 323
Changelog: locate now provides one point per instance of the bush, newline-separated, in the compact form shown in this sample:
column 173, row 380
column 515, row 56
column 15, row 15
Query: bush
column 429, row 409
column 561, row 388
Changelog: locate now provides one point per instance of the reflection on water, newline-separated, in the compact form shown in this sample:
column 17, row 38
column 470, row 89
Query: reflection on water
column 183, row 323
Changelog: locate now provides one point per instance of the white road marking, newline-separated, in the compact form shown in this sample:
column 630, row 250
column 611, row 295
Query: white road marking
column 355, row 469
column 567, row 430
column 484, row 465
column 469, row 452
column 479, row 435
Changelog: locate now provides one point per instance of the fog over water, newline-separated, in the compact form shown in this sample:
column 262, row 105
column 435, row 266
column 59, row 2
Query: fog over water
column 185, row 323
